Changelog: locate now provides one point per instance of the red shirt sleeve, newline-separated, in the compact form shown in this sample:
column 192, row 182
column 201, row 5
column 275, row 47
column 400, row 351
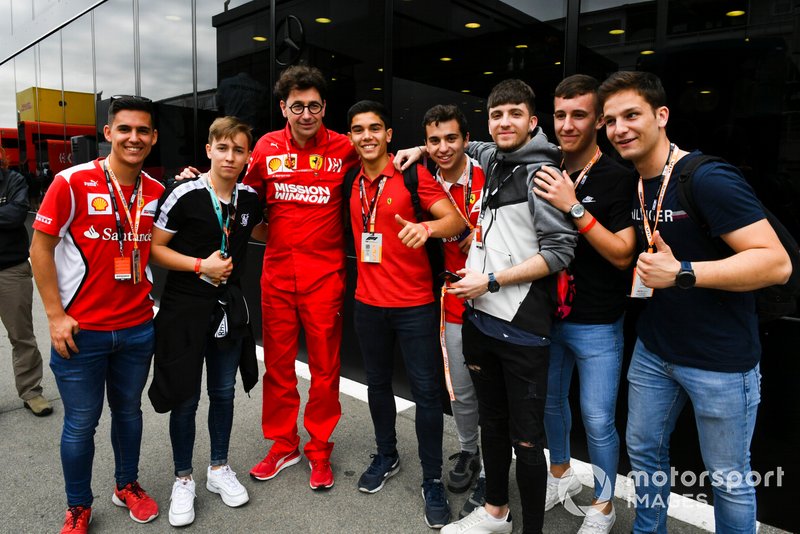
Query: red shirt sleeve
column 429, row 190
column 56, row 209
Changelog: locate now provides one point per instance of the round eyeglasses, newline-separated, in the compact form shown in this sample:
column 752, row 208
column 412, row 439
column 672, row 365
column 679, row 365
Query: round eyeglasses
column 314, row 107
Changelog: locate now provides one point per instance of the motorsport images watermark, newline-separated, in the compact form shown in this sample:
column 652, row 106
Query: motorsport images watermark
column 650, row 487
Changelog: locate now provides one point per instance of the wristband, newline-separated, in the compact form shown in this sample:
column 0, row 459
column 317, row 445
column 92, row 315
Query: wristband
column 588, row 226
column 197, row 263
column 427, row 228
column 420, row 150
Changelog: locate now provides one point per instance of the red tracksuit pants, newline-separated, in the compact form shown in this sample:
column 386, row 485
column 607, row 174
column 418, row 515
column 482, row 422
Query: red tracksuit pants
column 320, row 314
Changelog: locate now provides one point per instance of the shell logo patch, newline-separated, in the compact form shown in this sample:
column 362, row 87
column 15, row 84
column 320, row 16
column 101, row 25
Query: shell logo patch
column 282, row 163
column 99, row 204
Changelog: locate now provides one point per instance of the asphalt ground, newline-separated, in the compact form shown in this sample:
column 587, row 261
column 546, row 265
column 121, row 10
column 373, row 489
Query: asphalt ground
column 32, row 496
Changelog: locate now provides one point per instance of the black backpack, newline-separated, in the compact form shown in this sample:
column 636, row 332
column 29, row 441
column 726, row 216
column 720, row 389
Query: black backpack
column 411, row 181
column 772, row 302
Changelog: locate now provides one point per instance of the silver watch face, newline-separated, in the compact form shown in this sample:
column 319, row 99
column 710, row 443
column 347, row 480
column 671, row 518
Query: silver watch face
column 577, row 211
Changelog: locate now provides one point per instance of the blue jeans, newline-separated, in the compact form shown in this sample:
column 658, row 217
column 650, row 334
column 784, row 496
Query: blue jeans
column 221, row 367
column 725, row 406
column 414, row 328
column 115, row 363
column 597, row 351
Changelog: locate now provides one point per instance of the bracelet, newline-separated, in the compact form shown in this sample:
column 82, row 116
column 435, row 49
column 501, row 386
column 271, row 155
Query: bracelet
column 197, row 263
column 427, row 228
column 588, row 226
column 420, row 150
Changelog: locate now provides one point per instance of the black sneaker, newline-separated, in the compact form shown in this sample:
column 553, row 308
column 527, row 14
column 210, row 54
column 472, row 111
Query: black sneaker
column 478, row 498
column 466, row 468
column 381, row 468
column 437, row 509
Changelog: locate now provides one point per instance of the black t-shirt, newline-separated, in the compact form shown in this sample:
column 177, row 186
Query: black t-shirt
column 704, row 328
column 186, row 210
column 601, row 288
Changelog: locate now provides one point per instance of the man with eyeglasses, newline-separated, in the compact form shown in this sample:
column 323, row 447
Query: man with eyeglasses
column 298, row 173
column 89, row 253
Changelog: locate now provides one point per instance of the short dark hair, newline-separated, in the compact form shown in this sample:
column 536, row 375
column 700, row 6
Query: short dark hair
column 444, row 113
column 368, row 106
column 512, row 91
column 646, row 84
column 130, row 103
column 579, row 85
column 227, row 128
column 300, row 77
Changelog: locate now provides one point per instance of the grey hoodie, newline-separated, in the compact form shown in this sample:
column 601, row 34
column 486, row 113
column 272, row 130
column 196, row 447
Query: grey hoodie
column 516, row 226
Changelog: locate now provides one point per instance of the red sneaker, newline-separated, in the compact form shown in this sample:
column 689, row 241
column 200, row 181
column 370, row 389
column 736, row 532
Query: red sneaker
column 142, row 507
column 77, row 520
column 271, row 465
column 321, row 474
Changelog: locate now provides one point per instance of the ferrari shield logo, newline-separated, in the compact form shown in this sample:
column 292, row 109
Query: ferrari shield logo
column 315, row 162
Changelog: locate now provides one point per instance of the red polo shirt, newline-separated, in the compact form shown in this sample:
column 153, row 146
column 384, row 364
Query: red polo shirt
column 403, row 278
column 454, row 258
column 302, row 189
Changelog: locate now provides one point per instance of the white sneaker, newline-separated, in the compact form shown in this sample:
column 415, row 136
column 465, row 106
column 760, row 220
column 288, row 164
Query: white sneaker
column 596, row 522
column 479, row 522
column 224, row 482
column 181, row 507
column 558, row 489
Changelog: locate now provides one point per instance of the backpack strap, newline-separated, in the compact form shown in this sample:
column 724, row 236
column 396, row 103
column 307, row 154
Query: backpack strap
column 685, row 194
column 411, row 181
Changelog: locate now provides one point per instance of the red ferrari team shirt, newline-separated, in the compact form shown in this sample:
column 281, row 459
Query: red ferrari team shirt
column 77, row 208
column 302, row 189
column 466, row 194
column 403, row 277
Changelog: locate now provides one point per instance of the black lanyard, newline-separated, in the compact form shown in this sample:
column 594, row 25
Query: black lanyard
column 489, row 195
column 115, row 208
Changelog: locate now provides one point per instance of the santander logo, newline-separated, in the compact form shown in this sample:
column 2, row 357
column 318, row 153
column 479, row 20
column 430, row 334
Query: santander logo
column 91, row 233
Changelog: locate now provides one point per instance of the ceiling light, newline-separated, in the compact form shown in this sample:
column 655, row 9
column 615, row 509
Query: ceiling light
column 557, row 63
column 259, row 38
column 617, row 31
column 380, row 69
column 465, row 91
column 488, row 72
column 445, row 59
column 377, row 88
column 323, row 20
column 521, row 46
column 477, row 110
column 647, row 52
column 705, row 92
column 173, row 18
column 734, row 13
column 333, row 79
column 472, row 25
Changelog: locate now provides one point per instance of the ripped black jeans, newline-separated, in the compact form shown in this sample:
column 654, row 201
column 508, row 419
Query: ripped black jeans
column 511, row 384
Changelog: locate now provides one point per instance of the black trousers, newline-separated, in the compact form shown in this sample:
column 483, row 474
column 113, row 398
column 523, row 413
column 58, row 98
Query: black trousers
column 511, row 384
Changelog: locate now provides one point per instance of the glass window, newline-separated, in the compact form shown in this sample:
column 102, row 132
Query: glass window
column 114, row 48
column 165, row 43
column 458, row 57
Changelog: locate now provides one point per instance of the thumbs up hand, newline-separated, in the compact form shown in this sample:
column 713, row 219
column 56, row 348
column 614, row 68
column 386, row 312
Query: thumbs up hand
column 658, row 269
column 413, row 235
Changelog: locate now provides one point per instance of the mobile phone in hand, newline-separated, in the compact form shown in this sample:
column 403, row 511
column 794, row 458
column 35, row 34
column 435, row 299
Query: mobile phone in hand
column 449, row 276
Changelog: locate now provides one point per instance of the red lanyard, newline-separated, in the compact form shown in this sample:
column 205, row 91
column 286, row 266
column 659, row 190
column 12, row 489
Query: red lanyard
column 136, row 200
column 467, row 192
column 372, row 207
column 665, row 176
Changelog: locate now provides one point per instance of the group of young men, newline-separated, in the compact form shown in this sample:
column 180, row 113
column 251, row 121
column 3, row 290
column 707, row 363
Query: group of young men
column 512, row 214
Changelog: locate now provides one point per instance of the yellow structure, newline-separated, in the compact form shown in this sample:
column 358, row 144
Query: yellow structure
column 51, row 105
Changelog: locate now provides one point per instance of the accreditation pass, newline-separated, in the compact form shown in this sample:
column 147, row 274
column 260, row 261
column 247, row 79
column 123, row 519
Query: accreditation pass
column 371, row 247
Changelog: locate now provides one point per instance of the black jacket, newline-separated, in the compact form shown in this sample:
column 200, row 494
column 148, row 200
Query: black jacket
column 13, row 211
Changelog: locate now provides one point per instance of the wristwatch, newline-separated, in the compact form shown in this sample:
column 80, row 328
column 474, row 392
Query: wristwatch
column 685, row 278
column 494, row 285
column 577, row 210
